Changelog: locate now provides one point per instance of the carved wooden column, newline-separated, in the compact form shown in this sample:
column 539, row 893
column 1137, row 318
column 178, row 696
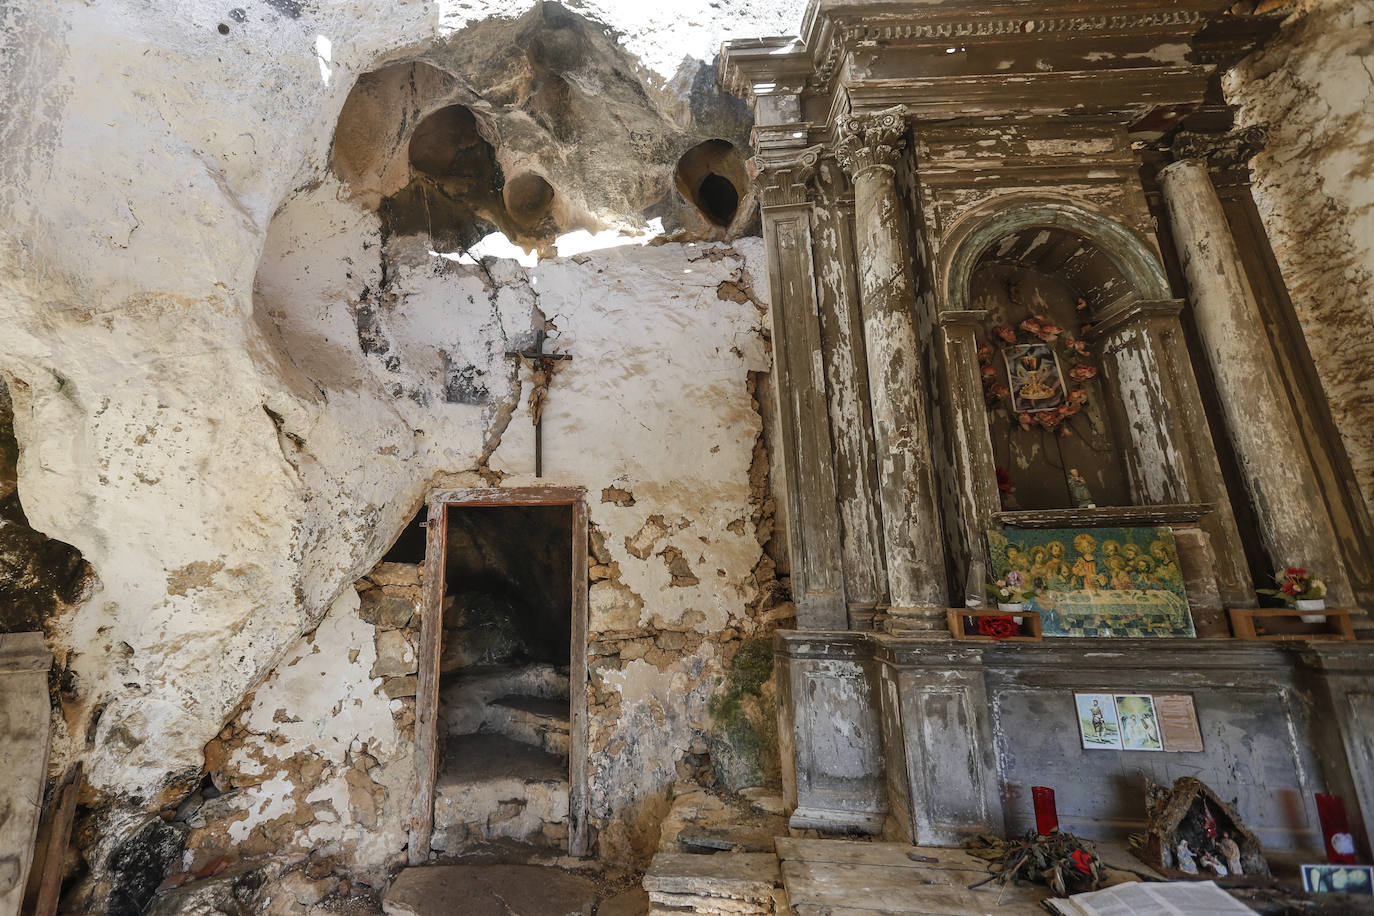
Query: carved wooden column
column 813, row 531
column 1259, row 419
column 846, row 383
column 868, row 148
column 966, row 421
column 1143, row 351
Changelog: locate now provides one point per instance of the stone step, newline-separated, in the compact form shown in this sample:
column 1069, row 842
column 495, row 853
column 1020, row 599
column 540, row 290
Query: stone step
column 537, row 721
column 493, row 787
column 465, row 699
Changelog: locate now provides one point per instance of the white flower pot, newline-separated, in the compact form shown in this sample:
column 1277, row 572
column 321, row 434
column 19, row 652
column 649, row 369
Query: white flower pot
column 1013, row 609
column 1311, row 604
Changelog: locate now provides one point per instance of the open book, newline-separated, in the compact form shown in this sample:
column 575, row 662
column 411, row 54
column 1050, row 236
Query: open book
column 1172, row 898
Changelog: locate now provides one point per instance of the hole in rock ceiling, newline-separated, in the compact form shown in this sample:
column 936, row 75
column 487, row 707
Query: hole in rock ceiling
column 455, row 194
column 528, row 198
column 711, row 175
column 719, row 199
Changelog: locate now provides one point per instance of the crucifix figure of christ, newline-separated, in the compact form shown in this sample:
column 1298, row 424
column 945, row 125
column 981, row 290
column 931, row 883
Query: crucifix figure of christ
column 542, row 367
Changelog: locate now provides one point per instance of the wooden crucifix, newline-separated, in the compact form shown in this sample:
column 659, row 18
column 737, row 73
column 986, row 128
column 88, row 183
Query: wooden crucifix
column 542, row 367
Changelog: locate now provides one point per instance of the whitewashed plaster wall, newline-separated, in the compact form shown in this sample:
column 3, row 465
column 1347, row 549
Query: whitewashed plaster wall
column 229, row 461
column 1314, row 186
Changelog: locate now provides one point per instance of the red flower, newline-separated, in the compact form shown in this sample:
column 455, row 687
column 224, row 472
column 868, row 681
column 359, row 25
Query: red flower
column 1005, row 333
column 1289, row 588
column 1049, row 332
column 1032, row 326
column 1004, row 482
column 997, row 627
column 1081, row 861
column 1295, row 571
column 984, row 353
column 1000, row 391
column 1082, row 373
column 989, row 372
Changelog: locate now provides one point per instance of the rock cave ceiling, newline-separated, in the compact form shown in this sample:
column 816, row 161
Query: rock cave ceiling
column 539, row 126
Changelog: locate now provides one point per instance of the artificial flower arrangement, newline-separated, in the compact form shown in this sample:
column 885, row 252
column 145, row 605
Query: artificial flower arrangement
column 1296, row 584
column 1013, row 588
column 1076, row 370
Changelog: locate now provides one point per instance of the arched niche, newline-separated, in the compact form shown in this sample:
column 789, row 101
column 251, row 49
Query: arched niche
column 1046, row 396
column 1027, row 285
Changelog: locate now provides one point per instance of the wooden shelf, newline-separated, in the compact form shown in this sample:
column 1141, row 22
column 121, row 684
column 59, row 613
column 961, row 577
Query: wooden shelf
column 1106, row 516
column 1248, row 623
column 1029, row 632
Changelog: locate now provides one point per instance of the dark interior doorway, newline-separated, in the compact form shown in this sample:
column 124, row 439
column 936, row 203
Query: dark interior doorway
column 504, row 713
column 501, row 743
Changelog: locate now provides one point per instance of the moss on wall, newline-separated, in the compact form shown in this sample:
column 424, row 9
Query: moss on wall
column 744, row 734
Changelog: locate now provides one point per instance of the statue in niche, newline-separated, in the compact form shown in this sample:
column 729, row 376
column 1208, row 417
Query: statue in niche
column 1078, row 491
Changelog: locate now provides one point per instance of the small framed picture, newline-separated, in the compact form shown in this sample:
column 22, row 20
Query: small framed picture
column 1097, row 721
column 1338, row 879
column 1137, row 722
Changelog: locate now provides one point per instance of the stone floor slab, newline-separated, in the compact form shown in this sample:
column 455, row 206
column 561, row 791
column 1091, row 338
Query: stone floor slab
column 489, row 890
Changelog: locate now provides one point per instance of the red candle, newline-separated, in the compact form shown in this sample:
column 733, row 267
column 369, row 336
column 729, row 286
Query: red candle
column 1340, row 845
column 1046, row 817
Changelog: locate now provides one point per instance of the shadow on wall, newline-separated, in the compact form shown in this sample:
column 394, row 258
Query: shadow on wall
column 39, row 577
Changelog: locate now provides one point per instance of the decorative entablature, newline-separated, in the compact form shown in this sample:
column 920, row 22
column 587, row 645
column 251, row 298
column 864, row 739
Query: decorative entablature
column 1145, row 65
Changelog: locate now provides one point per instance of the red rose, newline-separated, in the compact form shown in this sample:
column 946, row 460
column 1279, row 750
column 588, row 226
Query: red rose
column 997, row 627
column 1081, row 861
column 989, row 372
column 1005, row 333
column 1289, row 588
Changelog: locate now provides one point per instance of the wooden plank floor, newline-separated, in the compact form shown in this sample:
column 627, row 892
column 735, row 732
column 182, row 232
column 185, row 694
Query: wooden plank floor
column 849, row 878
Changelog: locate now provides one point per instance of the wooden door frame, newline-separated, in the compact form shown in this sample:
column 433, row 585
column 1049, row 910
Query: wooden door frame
column 431, row 647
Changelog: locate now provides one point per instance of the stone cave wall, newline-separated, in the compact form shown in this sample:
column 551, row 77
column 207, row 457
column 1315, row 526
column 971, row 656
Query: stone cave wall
column 231, row 389
column 1313, row 85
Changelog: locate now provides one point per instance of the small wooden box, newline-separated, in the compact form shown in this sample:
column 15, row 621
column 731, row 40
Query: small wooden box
column 1249, row 623
column 1030, row 624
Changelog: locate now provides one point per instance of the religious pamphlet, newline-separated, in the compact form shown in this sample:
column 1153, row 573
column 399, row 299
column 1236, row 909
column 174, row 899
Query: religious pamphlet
column 1166, row 898
column 1138, row 722
column 1178, row 724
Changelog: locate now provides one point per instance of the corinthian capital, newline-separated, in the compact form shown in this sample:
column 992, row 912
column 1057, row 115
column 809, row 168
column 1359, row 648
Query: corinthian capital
column 871, row 141
column 783, row 182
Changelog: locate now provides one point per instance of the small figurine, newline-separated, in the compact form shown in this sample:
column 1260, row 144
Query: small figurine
column 1078, row 491
column 1214, row 864
column 1231, row 851
column 1186, row 863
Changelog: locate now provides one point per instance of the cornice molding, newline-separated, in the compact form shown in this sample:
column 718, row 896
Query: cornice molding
column 833, row 35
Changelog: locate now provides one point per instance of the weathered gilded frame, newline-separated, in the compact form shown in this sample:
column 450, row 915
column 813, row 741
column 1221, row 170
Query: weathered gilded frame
column 431, row 645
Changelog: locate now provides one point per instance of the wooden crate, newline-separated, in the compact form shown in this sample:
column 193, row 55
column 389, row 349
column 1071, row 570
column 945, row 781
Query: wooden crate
column 1248, row 623
column 1030, row 624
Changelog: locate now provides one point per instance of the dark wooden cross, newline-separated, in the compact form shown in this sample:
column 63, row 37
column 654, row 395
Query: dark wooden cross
column 542, row 367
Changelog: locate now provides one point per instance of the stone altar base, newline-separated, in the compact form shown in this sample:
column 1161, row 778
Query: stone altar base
column 932, row 741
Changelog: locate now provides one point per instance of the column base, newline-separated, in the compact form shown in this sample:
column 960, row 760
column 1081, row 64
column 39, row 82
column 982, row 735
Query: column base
column 929, row 622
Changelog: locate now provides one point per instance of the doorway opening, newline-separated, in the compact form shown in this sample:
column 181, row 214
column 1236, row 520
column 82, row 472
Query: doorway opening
column 503, row 661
